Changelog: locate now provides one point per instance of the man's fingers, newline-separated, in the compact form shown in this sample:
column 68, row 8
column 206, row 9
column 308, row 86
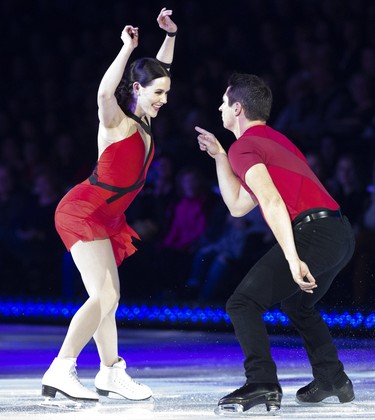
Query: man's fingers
column 307, row 286
column 309, row 278
column 201, row 130
column 203, row 143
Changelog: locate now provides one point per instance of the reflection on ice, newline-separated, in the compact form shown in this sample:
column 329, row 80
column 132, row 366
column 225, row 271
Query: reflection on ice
column 188, row 377
column 175, row 400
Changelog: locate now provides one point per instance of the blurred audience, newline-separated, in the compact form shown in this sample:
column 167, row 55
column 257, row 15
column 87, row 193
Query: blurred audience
column 42, row 250
column 319, row 59
column 188, row 223
column 364, row 258
column 347, row 188
column 12, row 206
column 217, row 265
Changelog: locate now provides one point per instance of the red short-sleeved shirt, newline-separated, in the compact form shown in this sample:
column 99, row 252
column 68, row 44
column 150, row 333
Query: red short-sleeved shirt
column 298, row 186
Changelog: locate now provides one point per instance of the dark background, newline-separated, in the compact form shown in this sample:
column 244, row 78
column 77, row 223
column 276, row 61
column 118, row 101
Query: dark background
column 318, row 56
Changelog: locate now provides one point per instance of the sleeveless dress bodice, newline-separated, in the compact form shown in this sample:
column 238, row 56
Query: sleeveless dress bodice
column 94, row 209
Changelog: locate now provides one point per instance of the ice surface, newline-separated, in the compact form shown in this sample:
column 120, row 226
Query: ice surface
column 188, row 372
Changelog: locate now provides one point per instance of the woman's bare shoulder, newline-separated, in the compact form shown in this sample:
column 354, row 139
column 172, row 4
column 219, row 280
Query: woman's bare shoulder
column 109, row 135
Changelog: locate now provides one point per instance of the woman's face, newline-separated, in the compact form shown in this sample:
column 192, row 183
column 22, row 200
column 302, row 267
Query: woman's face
column 152, row 97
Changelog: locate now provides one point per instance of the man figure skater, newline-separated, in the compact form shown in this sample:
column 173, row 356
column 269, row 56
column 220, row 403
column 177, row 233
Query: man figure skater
column 314, row 242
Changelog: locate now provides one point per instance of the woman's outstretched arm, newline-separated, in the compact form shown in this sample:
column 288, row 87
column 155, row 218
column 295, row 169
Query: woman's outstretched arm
column 109, row 111
column 165, row 53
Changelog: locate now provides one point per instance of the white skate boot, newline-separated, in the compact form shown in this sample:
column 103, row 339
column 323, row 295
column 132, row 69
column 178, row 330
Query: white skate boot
column 62, row 377
column 114, row 380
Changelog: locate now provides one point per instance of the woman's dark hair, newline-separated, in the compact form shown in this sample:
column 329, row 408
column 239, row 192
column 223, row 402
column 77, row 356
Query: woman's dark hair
column 252, row 93
column 144, row 71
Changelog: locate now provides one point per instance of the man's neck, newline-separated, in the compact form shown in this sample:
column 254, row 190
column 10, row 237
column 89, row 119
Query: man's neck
column 245, row 125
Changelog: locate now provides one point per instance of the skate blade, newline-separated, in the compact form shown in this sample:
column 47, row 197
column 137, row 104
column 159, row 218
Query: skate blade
column 67, row 404
column 233, row 410
column 273, row 409
column 228, row 409
column 60, row 404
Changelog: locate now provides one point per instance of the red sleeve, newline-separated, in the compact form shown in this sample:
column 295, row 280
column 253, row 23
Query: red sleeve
column 243, row 154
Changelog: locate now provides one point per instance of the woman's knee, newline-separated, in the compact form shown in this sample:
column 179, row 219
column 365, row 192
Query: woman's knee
column 112, row 300
column 107, row 300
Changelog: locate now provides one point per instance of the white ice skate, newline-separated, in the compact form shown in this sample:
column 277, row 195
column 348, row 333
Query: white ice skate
column 114, row 382
column 62, row 377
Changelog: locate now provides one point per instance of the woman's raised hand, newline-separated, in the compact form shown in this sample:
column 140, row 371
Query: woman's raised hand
column 165, row 22
column 129, row 36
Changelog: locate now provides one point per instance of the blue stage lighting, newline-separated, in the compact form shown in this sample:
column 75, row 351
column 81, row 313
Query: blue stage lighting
column 165, row 315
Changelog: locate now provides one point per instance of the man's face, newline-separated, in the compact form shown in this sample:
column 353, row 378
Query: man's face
column 227, row 112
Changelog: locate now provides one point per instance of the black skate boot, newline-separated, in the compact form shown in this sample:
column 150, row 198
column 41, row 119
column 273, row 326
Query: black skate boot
column 314, row 393
column 248, row 396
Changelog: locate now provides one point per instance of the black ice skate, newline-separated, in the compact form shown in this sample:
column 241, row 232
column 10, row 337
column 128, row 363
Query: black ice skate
column 249, row 395
column 313, row 393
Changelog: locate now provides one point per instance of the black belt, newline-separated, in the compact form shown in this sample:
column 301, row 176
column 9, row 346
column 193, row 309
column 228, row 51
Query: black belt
column 120, row 191
column 318, row 215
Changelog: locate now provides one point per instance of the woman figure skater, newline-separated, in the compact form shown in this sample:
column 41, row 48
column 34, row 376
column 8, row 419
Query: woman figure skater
column 90, row 218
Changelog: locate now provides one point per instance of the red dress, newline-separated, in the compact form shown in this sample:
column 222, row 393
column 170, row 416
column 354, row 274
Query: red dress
column 94, row 209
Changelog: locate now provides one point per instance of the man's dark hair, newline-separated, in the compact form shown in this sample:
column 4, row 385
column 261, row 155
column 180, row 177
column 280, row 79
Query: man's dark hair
column 252, row 93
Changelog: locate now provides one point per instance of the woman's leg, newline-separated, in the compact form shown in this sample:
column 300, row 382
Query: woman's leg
column 98, row 269
column 96, row 318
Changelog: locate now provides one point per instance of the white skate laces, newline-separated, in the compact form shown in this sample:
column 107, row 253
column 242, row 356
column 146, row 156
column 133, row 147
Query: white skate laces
column 114, row 382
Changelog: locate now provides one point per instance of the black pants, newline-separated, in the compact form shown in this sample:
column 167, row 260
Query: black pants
column 326, row 245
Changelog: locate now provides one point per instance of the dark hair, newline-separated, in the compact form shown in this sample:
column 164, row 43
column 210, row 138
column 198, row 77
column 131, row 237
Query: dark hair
column 252, row 93
column 144, row 70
